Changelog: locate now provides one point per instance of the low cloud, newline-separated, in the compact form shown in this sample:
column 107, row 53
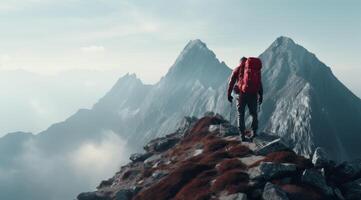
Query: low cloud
column 102, row 157
column 39, row 175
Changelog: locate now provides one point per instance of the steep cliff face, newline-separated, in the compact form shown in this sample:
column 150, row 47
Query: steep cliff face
column 306, row 103
column 205, row 159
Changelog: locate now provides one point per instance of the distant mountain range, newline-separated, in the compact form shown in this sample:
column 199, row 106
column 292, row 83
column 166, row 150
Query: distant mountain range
column 303, row 102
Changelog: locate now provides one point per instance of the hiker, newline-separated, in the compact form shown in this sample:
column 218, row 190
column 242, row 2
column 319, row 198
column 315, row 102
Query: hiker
column 246, row 82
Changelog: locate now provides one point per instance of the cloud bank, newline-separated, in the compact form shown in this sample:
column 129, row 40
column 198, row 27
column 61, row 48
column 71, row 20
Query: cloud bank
column 58, row 177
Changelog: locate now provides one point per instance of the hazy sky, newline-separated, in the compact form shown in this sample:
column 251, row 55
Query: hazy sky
column 145, row 36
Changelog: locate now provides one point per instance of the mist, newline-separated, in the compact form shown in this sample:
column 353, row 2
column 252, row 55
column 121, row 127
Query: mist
column 38, row 175
column 31, row 102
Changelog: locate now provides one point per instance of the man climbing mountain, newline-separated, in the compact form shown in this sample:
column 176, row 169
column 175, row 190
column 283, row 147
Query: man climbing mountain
column 246, row 82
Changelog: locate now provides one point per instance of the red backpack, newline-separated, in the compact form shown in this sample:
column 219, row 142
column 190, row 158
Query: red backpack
column 250, row 80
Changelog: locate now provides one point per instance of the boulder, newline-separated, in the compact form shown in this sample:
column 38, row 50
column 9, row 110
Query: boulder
column 274, row 146
column 338, row 194
column 184, row 125
column 209, row 114
column 273, row 192
column 238, row 196
column 130, row 174
column 161, row 144
column 125, row 194
column 140, row 157
column 315, row 178
column 352, row 190
column 350, row 170
column 105, row 183
column 92, row 196
column 269, row 170
column 151, row 160
column 320, row 158
column 224, row 130
column 158, row 174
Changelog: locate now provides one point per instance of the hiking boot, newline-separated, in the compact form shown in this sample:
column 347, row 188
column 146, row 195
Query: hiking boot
column 243, row 137
column 254, row 134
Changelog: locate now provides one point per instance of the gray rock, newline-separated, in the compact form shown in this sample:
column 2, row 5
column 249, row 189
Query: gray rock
column 315, row 178
column 352, row 190
column 254, row 173
column 224, row 129
column 140, row 157
column 93, row 196
column 269, row 170
column 161, row 144
column 338, row 194
column 273, row 192
column 257, row 193
column 152, row 159
column 124, row 195
column 238, row 196
column 350, row 169
column 185, row 125
column 213, row 128
column 320, row 158
column 166, row 144
column 159, row 174
column 130, row 174
column 228, row 130
column 209, row 114
column 274, row 146
column 105, row 183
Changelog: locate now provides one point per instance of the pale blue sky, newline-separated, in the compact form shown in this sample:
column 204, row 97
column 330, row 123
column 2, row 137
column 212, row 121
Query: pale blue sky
column 145, row 36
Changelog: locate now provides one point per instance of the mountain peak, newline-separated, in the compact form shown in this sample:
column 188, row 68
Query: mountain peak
column 283, row 41
column 197, row 62
column 129, row 78
column 196, row 43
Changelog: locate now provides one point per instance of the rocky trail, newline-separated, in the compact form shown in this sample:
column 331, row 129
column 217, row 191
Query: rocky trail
column 205, row 159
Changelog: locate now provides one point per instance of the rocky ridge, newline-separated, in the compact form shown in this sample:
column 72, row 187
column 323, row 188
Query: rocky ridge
column 205, row 159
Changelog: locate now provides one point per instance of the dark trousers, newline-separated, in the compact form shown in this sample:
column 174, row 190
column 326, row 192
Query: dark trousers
column 249, row 100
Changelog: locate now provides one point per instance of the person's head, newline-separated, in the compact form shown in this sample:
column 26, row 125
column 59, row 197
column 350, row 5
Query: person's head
column 243, row 59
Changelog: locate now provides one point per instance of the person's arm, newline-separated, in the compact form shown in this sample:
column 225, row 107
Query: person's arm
column 232, row 81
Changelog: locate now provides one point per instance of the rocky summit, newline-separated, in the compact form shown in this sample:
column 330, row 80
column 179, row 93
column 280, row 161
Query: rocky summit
column 205, row 159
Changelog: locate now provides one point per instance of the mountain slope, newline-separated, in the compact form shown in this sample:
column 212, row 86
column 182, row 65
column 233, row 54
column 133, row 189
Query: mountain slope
column 311, row 107
column 304, row 103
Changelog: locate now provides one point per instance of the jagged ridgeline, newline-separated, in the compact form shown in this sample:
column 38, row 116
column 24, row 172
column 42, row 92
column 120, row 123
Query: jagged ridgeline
column 304, row 103
column 205, row 159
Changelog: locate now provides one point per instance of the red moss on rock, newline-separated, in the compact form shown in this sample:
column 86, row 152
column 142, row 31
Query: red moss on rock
column 198, row 188
column 239, row 150
column 300, row 192
column 169, row 186
column 204, row 123
column 214, row 158
column 231, row 179
column 286, row 157
column 237, row 188
column 230, row 164
column 214, row 145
